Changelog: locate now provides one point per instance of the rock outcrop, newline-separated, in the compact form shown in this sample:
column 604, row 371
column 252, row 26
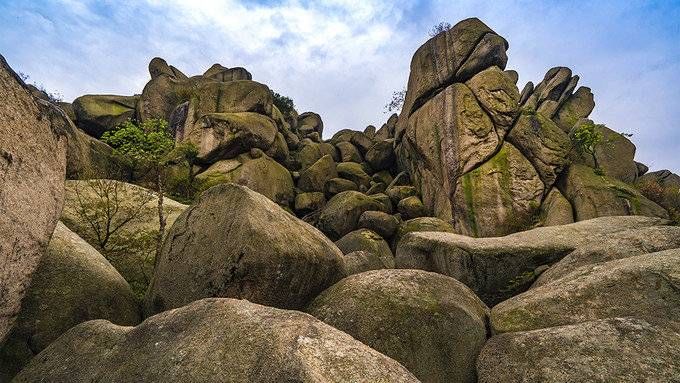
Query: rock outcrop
column 204, row 342
column 32, row 170
column 236, row 243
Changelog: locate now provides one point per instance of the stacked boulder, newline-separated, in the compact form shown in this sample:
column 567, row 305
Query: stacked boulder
column 492, row 160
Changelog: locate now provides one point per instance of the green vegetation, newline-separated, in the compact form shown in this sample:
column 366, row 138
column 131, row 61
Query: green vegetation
column 586, row 139
column 148, row 142
column 667, row 197
column 284, row 104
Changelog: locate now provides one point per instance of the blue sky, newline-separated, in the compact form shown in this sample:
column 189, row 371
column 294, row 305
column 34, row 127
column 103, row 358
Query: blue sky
column 343, row 58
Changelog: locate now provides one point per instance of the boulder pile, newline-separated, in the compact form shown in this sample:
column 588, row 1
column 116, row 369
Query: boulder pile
column 470, row 238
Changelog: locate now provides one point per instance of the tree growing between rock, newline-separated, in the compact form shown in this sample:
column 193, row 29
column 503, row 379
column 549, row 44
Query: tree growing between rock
column 586, row 138
column 148, row 142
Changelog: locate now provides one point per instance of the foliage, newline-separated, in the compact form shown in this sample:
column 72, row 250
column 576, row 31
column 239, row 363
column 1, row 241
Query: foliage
column 439, row 28
column 667, row 197
column 397, row 101
column 284, row 104
column 586, row 139
column 148, row 141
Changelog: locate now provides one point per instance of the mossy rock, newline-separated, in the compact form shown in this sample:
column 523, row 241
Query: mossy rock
column 430, row 323
column 261, row 174
column 497, row 94
column 341, row 213
column 72, row 284
column 314, row 178
column 421, row 224
column 355, row 173
column 367, row 240
column 96, row 114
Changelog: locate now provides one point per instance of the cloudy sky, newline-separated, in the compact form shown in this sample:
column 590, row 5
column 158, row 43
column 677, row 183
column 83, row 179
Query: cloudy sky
column 344, row 58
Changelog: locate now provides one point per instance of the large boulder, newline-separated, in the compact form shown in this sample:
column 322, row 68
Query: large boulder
column 665, row 178
column 445, row 138
column 624, row 244
column 611, row 350
column 260, row 173
column 421, row 224
column 543, row 143
column 644, row 286
column 500, row 197
column 341, row 213
column 437, row 63
column 72, row 284
column 204, row 342
column 593, row 195
column 577, row 106
column 237, row 243
column 556, row 210
column 221, row 136
column 310, row 122
column 87, row 157
column 120, row 220
column 221, row 73
column 367, row 240
column 32, row 170
column 615, row 155
column 314, row 178
column 431, row 324
column 498, row 268
column 96, row 114
column 230, row 97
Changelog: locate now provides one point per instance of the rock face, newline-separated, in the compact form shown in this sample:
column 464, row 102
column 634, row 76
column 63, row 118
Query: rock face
column 237, row 243
column 645, row 286
column 32, row 170
column 341, row 213
column 281, row 346
column 617, row 350
column 593, row 196
column 430, row 323
column 498, row 268
column 72, row 284
column 97, row 114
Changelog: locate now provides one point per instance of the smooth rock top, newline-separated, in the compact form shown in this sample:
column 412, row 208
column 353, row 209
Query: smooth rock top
column 214, row 340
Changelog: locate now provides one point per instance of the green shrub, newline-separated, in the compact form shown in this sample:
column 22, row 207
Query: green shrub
column 586, row 139
column 667, row 197
column 284, row 104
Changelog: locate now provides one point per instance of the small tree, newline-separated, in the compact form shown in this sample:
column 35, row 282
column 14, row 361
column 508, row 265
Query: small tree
column 397, row 101
column 150, row 143
column 284, row 104
column 587, row 138
column 439, row 28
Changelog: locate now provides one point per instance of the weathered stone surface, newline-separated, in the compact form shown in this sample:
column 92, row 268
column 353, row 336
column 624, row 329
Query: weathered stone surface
column 411, row 207
column 310, row 122
column 555, row 82
column 221, row 73
column 282, row 346
column 501, row 196
column 237, row 243
column 315, row 176
column 431, row 324
column 338, row 185
column 220, row 136
column 357, row 262
column 32, row 169
column 624, row 244
column 158, row 67
column 230, row 97
column 310, row 153
column 381, row 155
column 542, row 142
column 498, row 268
column 380, row 222
column 616, row 350
column 72, row 284
column 348, row 152
column 447, row 137
column 355, row 173
column 421, row 224
column 665, row 178
column 490, row 51
column 497, row 94
column 261, row 174
column 526, row 92
column 96, row 114
column 367, row 240
column 398, row 193
column 577, row 106
column 644, row 286
column 556, row 210
column 341, row 213
column 309, row 202
column 642, row 169
column 133, row 225
column 436, row 63
column 593, row 196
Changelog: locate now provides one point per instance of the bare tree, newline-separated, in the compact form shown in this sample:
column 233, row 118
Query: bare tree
column 439, row 28
column 397, row 101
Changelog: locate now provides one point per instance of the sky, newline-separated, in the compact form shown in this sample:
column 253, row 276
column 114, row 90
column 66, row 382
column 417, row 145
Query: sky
column 344, row 58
